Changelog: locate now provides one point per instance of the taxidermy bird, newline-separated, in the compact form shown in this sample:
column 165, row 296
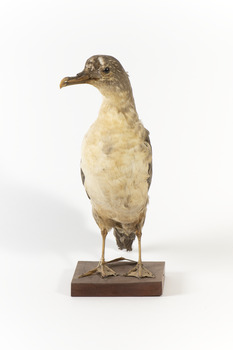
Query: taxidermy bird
column 116, row 160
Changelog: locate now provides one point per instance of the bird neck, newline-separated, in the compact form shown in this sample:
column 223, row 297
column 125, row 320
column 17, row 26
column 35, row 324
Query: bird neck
column 120, row 106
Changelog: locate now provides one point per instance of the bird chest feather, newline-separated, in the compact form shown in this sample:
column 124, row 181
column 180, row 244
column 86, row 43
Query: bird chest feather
column 115, row 158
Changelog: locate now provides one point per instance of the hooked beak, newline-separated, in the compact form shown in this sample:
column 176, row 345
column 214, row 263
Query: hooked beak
column 80, row 78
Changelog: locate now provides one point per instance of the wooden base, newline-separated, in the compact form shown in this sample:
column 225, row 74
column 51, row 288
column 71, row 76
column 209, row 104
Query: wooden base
column 95, row 285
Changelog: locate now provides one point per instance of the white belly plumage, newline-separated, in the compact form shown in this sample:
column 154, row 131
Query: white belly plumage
column 115, row 162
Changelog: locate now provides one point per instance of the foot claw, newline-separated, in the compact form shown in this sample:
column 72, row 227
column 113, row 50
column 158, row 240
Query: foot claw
column 139, row 271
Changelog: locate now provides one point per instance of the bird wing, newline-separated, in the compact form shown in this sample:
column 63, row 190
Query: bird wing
column 83, row 181
column 147, row 140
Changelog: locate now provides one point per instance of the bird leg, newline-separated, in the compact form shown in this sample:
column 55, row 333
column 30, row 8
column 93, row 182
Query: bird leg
column 101, row 268
column 139, row 270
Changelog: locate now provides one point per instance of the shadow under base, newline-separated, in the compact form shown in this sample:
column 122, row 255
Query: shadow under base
column 120, row 285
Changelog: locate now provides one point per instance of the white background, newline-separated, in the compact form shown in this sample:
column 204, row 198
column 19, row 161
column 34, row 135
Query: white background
column 179, row 55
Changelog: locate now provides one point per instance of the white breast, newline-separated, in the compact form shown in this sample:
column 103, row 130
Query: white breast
column 115, row 162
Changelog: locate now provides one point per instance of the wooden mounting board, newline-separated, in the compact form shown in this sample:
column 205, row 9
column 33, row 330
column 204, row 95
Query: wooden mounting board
column 95, row 285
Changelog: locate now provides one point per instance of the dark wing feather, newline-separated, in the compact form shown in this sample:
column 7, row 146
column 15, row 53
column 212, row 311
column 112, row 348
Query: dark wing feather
column 150, row 174
column 147, row 139
column 83, row 181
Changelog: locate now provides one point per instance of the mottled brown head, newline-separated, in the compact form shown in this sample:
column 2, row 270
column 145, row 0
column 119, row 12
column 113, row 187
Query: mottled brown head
column 104, row 72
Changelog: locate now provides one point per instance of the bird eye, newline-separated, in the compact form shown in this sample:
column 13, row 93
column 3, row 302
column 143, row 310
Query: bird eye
column 106, row 70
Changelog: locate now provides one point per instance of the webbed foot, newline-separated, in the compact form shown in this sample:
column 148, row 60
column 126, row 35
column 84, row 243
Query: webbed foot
column 101, row 269
column 139, row 271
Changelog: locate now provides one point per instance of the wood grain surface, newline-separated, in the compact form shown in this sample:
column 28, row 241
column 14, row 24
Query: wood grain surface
column 120, row 285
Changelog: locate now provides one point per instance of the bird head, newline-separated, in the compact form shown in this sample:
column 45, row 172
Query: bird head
column 105, row 73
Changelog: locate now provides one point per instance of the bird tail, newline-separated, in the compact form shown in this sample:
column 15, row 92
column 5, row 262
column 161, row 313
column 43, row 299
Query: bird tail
column 124, row 241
